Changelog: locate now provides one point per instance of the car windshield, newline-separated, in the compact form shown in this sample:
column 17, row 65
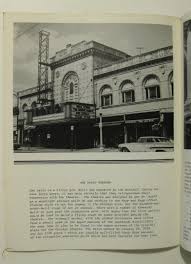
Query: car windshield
column 152, row 139
column 161, row 139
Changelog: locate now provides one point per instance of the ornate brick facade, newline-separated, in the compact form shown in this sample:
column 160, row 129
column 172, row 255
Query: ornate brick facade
column 121, row 87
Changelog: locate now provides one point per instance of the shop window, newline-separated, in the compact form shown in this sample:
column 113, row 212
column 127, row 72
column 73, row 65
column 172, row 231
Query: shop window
column 152, row 88
column 106, row 96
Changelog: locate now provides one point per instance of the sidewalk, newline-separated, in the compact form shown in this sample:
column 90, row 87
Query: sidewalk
column 43, row 150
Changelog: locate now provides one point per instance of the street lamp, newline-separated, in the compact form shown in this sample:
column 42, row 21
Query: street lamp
column 101, row 147
column 72, row 137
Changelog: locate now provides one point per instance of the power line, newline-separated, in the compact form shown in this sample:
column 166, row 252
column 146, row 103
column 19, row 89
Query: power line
column 25, row 31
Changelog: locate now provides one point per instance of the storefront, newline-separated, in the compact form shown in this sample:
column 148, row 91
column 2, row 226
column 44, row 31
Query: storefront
column 74, row 135
column 71, row 127
column 128, row 128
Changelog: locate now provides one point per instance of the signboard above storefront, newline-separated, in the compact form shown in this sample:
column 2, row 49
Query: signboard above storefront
column 82, row 111
column 69, row 112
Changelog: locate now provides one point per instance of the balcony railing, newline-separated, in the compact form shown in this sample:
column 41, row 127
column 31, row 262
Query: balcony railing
column 46, row 110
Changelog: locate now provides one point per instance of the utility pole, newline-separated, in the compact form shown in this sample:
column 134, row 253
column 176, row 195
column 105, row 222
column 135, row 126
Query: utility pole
column 101, row 132
column 140, row 50
column 125, row 129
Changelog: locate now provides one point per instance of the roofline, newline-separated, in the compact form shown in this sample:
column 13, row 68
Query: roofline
column 96, row 42
column 109, row 47
column 132, row 57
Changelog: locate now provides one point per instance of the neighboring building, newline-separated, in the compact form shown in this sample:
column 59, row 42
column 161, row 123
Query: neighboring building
column 187, row 83
column 133, row 94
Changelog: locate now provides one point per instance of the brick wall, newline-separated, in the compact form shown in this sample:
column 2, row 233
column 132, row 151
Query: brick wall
column 137, row 77
column 84, row 70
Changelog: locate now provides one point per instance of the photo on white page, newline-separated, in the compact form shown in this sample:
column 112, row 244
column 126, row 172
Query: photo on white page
column 187, row 84
column 93, row 89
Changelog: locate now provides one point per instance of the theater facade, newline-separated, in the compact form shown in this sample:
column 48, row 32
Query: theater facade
column 97, row 89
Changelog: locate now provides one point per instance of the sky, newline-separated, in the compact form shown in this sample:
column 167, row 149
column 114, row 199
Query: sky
column 125, row 37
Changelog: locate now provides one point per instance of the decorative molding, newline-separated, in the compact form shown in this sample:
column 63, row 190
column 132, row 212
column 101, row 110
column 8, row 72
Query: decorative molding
column 150, row 58
column 57, row 74
column 71, row 58
column 162, row 69
column 85, row 53
column 114, row 80
column 83, row 65
column 138, row 75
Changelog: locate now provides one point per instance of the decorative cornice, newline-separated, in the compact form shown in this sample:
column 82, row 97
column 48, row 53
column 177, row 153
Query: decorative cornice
column 136, row 62
column 130, row 68
column 80, row 55
column 72, row 58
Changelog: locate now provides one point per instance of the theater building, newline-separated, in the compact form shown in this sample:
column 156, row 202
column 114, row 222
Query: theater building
column 94, row 87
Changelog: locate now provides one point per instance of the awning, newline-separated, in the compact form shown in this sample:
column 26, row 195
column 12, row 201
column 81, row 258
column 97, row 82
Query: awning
column 29, row 127
column 133, row 121
column 114, row 123
column 144, row 120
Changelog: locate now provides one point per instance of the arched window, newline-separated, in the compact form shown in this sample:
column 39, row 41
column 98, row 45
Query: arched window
column 25, row 108
column 34, row 109
column 70, row 86
column 127, row 92
column 152, row 87
column 171, row 84
column 106, row 96
column 33, row 105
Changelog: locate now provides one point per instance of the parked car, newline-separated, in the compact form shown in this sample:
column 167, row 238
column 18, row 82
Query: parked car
column 148, row 144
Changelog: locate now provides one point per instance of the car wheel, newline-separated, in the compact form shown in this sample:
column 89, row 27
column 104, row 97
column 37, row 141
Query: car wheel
column 125, row 150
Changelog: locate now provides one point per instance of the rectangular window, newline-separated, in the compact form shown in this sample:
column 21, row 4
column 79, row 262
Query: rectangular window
column 106, row 100
column 172, row 89
column 128, row 97
column 153, row 92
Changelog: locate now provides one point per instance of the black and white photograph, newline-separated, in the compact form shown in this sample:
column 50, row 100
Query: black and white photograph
column 94, row 87
column 187, row 84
